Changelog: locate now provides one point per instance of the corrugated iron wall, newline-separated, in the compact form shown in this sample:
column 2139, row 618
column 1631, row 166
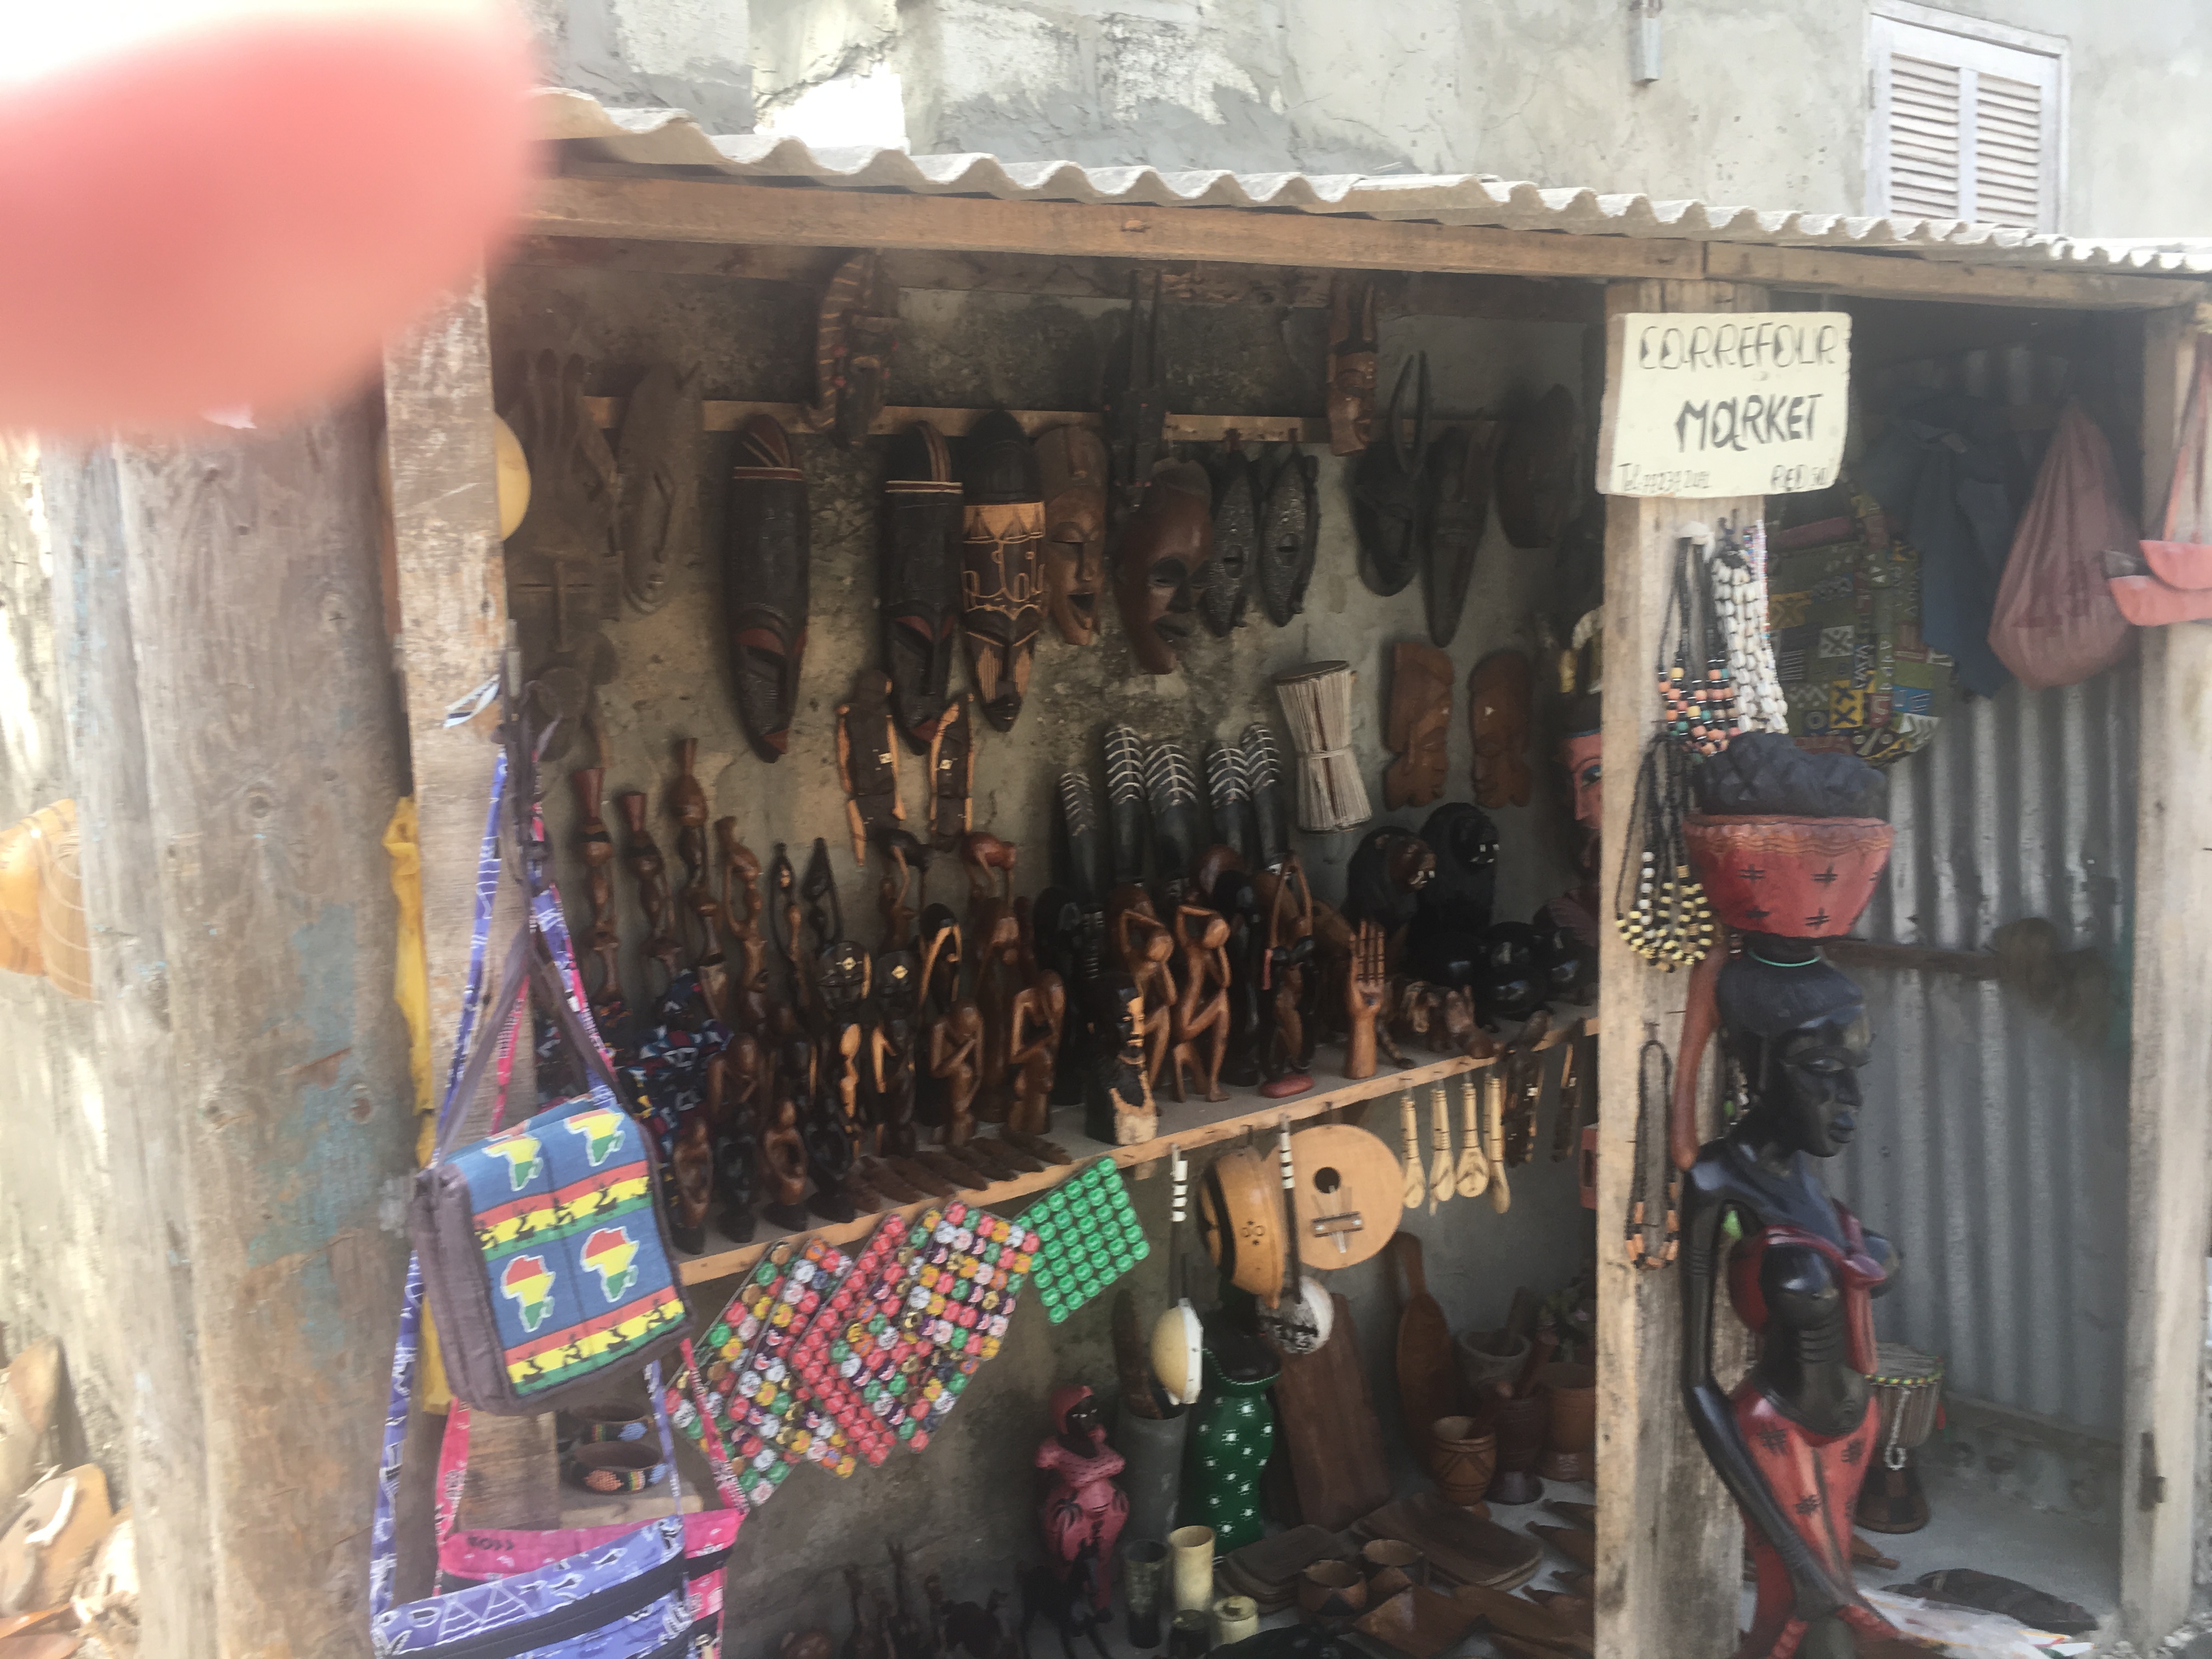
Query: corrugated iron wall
column 1993, row 1150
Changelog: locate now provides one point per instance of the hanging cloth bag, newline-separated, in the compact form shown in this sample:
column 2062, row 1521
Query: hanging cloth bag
column 2178, row 585
column 543, row 1247
column 2056, row 622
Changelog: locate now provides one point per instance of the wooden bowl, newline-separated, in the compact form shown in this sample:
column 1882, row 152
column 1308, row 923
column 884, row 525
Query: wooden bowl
column 1461, row 1455
column 1332, row 1592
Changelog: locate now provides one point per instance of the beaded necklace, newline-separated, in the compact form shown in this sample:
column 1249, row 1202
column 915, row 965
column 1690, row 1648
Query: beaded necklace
column 1642, row 1252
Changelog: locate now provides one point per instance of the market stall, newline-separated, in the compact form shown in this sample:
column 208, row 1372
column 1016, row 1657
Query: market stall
column 1258, row 811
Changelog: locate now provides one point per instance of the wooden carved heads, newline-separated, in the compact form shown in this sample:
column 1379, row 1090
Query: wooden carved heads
column 1420, row 724
column 917, row 577
column 1498, row 690
column 855, row 331
column 1072, row 465
column 1001, row 598
column 1165, row 548
column 765, row 582
column 868, row 762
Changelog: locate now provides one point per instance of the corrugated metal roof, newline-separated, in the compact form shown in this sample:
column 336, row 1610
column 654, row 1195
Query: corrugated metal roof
column 669, row 137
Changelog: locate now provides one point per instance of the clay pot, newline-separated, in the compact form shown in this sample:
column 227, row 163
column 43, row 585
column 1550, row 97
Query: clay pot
column 1519, row 1425
column 1488, row 1358
column 1570, row 1394
column 1461, row 1455
column 1332, row 1593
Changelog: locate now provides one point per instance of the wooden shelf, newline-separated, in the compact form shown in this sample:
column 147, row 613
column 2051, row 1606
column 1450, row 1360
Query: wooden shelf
column 1199, row 1123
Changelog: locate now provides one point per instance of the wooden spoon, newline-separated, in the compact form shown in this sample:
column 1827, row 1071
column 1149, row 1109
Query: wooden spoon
column 1474, row 1166
column 1442, row 1182
column 1417, row 1185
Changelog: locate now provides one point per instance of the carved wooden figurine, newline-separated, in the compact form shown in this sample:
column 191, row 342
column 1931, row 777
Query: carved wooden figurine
column 783, row 1149
column 1038, row 1014
column 909, row 856
column 604, row 940
column 1293, row 982
column 954, row 1041
column 1365, row 988
column 687, row 805
column 740, row 919
column 952, row 777
column 897, row 988
column 867, row 762
column 642, row 854
column 1084, row 1510
column 744, row 1087
column 1144, row 948
column 1202, row 1013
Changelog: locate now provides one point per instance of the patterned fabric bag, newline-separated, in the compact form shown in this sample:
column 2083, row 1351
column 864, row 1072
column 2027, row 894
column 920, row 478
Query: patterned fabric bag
column 652, row 1591
column 543, row 1247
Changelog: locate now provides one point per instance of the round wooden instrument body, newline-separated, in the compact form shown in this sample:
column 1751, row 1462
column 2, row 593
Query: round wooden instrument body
column 1240, row 1214
column 1348, row 1196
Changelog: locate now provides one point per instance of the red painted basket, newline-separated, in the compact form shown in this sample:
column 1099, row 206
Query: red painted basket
column 1797, row 877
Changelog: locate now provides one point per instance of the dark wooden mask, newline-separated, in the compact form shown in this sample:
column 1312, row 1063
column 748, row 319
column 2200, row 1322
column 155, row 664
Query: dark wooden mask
column 1387, row 488
column 1289, row 532
column 765, row 582
column 1001, row 599
column 1460, row 467
column 1165, row 549
column 918, row 579
column 1072, row 465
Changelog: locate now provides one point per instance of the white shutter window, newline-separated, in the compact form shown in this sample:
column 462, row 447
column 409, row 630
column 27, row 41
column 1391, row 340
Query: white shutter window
column 1967, row 119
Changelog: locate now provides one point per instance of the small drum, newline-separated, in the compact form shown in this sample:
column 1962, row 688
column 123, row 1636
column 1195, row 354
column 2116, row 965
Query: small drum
column 1908, row 1390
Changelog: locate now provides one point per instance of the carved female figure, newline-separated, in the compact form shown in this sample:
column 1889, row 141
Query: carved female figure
column 1202, row 1013
column 1794, row 1441
column 1084, row 1510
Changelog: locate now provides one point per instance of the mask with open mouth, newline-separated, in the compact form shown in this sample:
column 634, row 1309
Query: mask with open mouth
column 1072, row 465
column 1165, row 549
column 765, row 582
column 1000, row 608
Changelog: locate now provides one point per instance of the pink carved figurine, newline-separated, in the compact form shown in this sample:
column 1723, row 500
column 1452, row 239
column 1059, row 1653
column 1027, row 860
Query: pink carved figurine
column 1084, row 1511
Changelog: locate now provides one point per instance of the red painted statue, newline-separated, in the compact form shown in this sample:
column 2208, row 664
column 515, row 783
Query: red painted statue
column 1084, row 1510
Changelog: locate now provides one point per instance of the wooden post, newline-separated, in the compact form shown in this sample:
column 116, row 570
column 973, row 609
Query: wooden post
column 450, row 598
column 233, row 715
column 2169, row 1135
column 1669, row 1539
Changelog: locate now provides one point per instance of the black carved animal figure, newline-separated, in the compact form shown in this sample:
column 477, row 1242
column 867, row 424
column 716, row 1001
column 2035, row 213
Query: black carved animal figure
column 908, row 1639
column 1066, row 1602
column 976, row 1630
column 870, row 1639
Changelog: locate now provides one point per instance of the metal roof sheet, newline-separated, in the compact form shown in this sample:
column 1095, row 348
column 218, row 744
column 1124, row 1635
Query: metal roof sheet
column 669, row 137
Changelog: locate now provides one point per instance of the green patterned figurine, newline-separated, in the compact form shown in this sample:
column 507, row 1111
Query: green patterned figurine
column 1229, row 1442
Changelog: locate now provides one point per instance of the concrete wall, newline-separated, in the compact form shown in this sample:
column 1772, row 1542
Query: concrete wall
column 967, row 1503
column 1761, row 102
column 689, row 54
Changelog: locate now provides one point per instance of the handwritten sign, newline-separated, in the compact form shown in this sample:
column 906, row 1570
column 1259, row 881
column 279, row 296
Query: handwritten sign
column 1725, row 404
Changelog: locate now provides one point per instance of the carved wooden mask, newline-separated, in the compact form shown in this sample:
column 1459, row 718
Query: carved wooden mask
column 1497, row 694
column 1420, row 724
column 1001, row 598
column 1072, row 465
column 765, row 582
column 1165, row 548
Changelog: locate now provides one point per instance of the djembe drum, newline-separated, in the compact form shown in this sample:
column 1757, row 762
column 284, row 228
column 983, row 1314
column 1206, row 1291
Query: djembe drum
column 1908, row 1392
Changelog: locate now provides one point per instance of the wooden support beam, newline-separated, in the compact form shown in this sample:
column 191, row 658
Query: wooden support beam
column 1908, row 276
column 2169, row 1132
column 239, row 575
column 643, row 207
column 706, row 211
column 452, row 608
column 1669, row 1540
column 1413, row 293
